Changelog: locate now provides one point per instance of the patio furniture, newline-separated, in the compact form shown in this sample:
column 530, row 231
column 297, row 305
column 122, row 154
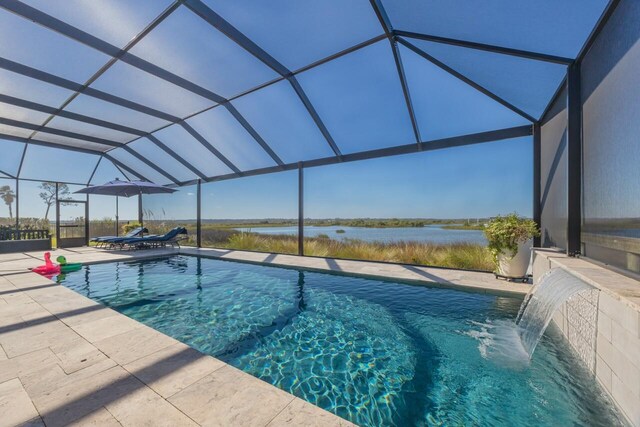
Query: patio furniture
column 103, row 241
column 171, row 238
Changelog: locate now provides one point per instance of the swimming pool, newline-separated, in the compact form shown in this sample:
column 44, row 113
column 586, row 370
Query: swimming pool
column 374, row 352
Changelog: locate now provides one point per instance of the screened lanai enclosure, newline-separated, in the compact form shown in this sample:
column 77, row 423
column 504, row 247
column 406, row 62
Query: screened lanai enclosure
column 294, row 100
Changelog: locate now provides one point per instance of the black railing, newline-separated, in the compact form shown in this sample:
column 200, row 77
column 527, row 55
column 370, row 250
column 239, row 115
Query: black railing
column 13, row 234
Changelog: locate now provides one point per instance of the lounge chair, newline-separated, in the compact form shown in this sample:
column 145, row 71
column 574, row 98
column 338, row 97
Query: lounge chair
column 103, row 241
column 171, row 238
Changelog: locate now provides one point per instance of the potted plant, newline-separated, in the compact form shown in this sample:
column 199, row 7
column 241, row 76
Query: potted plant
column 510, row 240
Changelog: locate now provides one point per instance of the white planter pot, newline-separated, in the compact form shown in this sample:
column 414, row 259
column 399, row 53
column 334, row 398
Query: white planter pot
column 516, row 266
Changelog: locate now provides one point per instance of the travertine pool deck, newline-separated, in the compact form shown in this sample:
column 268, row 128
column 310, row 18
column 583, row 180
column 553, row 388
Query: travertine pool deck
column 67, row 360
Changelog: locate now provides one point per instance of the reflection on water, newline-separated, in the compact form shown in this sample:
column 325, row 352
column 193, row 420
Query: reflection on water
column 373, row 352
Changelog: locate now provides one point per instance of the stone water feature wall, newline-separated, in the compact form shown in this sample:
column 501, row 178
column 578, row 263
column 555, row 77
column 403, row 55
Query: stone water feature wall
column 602, row 326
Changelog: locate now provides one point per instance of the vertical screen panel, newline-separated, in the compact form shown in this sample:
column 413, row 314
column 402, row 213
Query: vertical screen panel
column 11, row 156
column 422, row 208
column 256, row 213
column 163, row 212
column 611, row 152
column 37, row 202
column 102, row 215
column 359, row 98
column 8, row 197
column 553, row 175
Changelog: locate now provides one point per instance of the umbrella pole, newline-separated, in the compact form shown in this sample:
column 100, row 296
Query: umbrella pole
column 140, row 209
column 117, row 218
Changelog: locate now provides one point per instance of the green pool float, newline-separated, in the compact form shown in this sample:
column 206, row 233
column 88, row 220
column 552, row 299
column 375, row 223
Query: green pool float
column 68, row 267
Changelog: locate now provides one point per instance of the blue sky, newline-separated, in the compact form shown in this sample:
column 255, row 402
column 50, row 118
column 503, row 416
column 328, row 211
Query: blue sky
column 358, row 96
column 473, row 181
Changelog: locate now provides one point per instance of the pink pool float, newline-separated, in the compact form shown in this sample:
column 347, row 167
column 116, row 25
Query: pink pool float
column 49, row 268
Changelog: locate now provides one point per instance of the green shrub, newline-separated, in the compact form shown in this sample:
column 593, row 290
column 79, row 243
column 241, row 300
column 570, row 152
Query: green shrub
column 504, row 233
column 130, row 226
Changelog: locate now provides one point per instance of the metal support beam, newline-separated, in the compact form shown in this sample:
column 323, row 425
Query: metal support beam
column 175, row 155
column 405, row 89
column 553, row 99
column 49, row 78
column 437, row 144
column 57, row 217
column 199, row 214
column 24, row 153
column 314, row 114
column 574, row 156
column 385, row 22
column 149, row 163
column 89, row 91
column 45, row 144
column 467, row 80
column 86, row 222
column 245, row 124
column 537, row 153
column 7, row 174
column 18, row 205
column 602, row 21
column 486, row 47
column 125, row 167
column 125, row 56
column 218, row 22
column 59, row 132
column 23, row 103
column 300, row 209
column 186, row 126
column 94, row 170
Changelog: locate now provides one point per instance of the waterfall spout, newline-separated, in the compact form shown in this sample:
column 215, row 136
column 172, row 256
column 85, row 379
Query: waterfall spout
column 512, row 344
column 553, row 289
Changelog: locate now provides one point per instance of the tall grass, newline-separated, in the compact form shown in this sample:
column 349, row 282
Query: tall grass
column 456, row 255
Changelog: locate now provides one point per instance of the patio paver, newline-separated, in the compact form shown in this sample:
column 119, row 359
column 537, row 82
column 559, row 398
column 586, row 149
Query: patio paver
column 67, row 360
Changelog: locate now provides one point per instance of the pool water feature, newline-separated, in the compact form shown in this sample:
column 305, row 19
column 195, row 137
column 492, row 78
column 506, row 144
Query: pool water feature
column 553, row 289
column 374, row 352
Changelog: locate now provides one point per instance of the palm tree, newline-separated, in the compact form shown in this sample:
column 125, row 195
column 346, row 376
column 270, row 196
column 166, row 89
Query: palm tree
column 7, row 194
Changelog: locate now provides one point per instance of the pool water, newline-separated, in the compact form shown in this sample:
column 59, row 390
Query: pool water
column 374, row 352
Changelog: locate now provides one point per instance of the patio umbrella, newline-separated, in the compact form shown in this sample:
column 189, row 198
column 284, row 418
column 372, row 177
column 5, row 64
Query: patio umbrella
column 120, row 188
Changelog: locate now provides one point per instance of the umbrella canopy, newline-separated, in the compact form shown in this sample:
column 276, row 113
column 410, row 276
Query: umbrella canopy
column 126, row 188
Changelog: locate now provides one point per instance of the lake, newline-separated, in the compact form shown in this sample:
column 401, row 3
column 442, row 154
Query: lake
column 429, row 233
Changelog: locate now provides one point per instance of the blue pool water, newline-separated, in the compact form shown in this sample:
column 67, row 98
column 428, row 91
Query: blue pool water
column 374, row 352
